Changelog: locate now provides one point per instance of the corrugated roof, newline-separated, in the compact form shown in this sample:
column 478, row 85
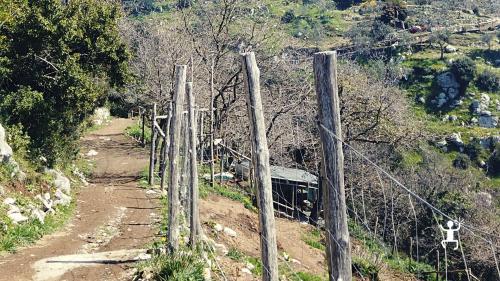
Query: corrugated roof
column 290, row 174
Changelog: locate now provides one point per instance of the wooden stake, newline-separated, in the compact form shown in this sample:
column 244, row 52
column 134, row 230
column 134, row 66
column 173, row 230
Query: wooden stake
column 167, row 146
column 153, row 147
column 143, row 138
column 185, row 161
column 212, row 95
column 175, row 141
column 338, row 248
column 221, row 180
column 194, row 221
column 262, row 169
column 202, row 137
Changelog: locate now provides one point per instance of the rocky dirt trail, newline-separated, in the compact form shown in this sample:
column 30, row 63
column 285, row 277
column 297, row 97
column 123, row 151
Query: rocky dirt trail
column 113, row 220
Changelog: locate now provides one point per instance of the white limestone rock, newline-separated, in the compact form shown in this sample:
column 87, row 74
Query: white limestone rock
column 229, row 232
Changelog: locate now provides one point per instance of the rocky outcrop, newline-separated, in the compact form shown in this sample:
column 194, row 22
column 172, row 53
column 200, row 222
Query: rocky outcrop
column 7, row 156
column 481, row 109
column 14, row 213
column 450, row 90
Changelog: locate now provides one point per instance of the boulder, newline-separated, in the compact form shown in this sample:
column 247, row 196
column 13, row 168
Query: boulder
column 486, row 121
column 443, row 145
column 62, row 199
column 46, row 201
column 92, row 152
column 449, row 86
column 61, row 182
column 9, row 201
column 450, row 49
column 5, row 149
column 17, row 217
column 38, row 215
column 218, row 227
column 229, row 232
column 246, row 271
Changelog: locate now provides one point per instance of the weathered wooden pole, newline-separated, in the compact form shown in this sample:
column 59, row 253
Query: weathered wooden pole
column 143, row 137
column 202, row 137
column 174, row 163
column 338, row 250
column 185, row 160
column 262, row 168
column 152, row 147
column 212, row 95
column 166, row 146
column 221, row 180
column 194, row 217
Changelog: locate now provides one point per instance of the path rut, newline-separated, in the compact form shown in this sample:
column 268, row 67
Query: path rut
column 113, row 220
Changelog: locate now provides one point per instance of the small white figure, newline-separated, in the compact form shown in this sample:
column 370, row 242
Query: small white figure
column 450, row 237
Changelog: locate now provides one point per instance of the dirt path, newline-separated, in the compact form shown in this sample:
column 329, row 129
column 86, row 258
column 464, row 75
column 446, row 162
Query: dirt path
column 114, row 218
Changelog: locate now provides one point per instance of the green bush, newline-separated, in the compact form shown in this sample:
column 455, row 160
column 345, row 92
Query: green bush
column 183, row 266
column 494, row 162
column 464, row 70
column 462, row 161
column 365, row 268
column 488, row 81
column 57, row 62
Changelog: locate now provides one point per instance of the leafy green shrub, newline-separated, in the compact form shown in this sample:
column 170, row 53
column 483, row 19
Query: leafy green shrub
column 464, row 70
column 288, row 17
column 235, row 254
column 183, row 266
column 305, row 276
column 462, row 161
column 76, row 54
column 365, row 268
column 488, row 81
column 494, row 162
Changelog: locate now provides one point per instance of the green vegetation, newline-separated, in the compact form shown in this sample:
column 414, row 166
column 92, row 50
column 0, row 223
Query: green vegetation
column 56, row 63
column 235, row 254
column 396, row 261
column 182, row 266
column 135, row 131
column 27, row 233
column 315, row 239
column 305, row 276
column 227, row 191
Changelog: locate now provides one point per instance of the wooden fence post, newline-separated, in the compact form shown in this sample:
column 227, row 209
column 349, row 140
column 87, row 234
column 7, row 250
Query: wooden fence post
column 153, row 147
column 175, row 140
column 338, row 250
column 143, row 137
column 185, row 160
column 202, row 137
column 166, row 146
column 212, row 95
column 194, row 217
column 262, row 168
column 221, row 180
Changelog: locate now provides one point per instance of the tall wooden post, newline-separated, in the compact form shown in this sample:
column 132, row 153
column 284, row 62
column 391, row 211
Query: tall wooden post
column 212, row 95
column 143, row 137
column 166, row 146
column 153, row 147
column 202, row 137
column 194, row 218
column 185, row 160
column 338, row 250
column 262, row 168
column 174, row 163
column 221, row 179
